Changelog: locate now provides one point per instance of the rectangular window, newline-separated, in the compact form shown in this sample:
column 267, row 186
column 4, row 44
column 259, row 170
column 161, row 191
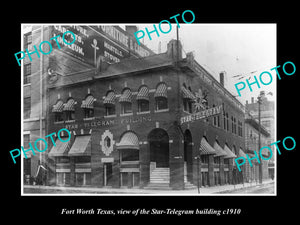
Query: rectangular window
column 88, row 113
column 27, row 107
column 161, row 103
column 204, row 159
column 126, row 107
column 70, row 115
column 110, row 109
column 27, row 40
column 27, row 73
column 129, row 155
column 143, row 106
column 58, row 116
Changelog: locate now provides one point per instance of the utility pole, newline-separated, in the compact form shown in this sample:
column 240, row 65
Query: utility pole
column 259, row 101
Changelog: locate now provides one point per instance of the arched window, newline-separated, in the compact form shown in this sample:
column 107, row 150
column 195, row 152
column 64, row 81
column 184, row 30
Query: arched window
column 58, row 111
column 143, row 99
column 161, row 98
column 69, row 109
column 126, row 101
column 88, row 106
column 109, row 103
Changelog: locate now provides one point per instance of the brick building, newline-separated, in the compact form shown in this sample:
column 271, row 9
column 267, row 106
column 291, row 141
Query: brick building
column 132, row 124
column 108, row 43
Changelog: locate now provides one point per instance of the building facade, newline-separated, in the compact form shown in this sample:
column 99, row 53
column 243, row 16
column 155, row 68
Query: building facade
column 157, row 121
column 93, row 44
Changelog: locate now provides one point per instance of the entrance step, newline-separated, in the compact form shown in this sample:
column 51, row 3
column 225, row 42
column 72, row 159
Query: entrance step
column 159, row 179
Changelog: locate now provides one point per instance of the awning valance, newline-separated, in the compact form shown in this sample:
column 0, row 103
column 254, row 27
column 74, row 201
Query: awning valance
column 126, row 96
column 187, row 94
column 143, row 94
column 128, row 141
column 205, row 148
column 70, row 105
column 58, row 107
column 60, row 148
column 81, row 146
column 230, row 154
column 242, row 154
column 110, row 98
column 88, row 103
column 219, row 150
column 161, row 91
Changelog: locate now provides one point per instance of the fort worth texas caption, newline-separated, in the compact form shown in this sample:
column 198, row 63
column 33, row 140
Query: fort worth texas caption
column 153, row 211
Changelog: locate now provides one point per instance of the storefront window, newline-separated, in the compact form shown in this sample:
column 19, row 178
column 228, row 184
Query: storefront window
column 129, row 155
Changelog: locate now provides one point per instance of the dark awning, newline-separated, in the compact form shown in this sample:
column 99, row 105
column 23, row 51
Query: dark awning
column 81, row 146
column 205, row 148
column 60, row 148
column 187, row 94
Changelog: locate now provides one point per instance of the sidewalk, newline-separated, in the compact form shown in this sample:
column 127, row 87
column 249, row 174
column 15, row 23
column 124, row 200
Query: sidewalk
column 48, row 190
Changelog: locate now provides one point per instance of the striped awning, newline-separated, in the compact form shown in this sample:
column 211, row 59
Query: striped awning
column 126, row 96
column 205, row 148
column 88, row 103
column 58, row 107
column 186, row 93
column 81, row 146
column 110, row 98
column 242, row 154
column 143, row 94
column 60, row 148
column 230, row 154
column 70, row 105
column 129, row 140
column 219, row 150
column 161, row 91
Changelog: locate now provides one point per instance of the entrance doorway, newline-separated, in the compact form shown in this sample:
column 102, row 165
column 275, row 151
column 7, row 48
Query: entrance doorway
column 158, row 140
column 108, row 173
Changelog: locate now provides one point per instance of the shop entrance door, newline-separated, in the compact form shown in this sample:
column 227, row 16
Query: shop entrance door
column 107, row 174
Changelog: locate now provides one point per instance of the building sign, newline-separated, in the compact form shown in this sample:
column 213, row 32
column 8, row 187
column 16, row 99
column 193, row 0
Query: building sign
column 94, row 42
column 108, row 122
column 201, row 115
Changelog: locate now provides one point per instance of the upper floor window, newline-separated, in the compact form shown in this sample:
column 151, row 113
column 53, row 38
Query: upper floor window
column 27, row 73
column 58, row 111
column 143, row 99
column 109, row 103
column 126, row 101
column 69, row 109
column 27, row 40
column 160, row 95
column 88, row 106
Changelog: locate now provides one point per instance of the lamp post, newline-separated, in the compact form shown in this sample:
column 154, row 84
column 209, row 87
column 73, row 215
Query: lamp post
column 198, row 173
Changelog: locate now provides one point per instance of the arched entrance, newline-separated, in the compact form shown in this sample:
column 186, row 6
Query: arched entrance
column 188, row 156
column 158, row 140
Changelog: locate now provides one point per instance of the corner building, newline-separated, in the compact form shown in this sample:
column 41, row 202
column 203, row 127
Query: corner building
column 127, row 126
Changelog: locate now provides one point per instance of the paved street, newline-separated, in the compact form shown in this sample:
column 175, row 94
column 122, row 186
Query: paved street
column 266, row 188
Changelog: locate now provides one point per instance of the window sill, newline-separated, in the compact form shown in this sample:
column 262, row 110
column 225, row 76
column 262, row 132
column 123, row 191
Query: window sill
column 70, row 121
column 110, row 116
column 161, row 110
column 59, row 122
column 145, row 112
column 89, row 118
column 126, row 114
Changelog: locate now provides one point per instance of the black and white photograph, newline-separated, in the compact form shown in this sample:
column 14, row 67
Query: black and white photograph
column 183, row 113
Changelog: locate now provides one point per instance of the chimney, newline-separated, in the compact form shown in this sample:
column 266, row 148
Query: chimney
column 172, row 50
column 222, row 78
column 131, row 29
column 252, row 99
column 246, row 102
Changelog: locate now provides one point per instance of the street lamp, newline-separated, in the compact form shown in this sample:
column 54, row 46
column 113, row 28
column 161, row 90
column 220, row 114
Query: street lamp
column 198, row 173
